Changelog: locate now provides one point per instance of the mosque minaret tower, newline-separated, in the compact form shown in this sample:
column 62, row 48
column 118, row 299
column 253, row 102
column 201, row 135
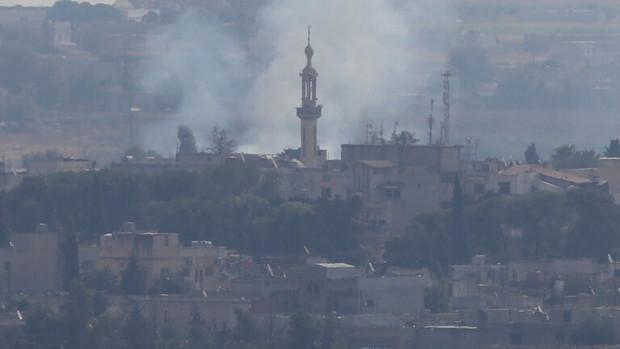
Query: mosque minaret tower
column 309, row 112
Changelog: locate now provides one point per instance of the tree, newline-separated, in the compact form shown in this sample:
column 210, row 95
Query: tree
column 187, row 142
column 199, row 336
column 69, row 251
column 596, row 332
column 562, row 156
column 137, row 331
column 305, row 331
column 613, row 151
column 221, row 143
column 531, row 156
column 43, row 326
column 404, row 138
column 596, row 228
column 460, row 249
column 437, row 298
column 77, row 314
column 566, row 156
column 101, row 280
column 150, row 17
column 133, row 278
column 169, row 283
column 542, row 217
column 246, row 332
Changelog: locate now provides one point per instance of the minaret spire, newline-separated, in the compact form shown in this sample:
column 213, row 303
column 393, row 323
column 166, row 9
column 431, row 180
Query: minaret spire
column 309, row 111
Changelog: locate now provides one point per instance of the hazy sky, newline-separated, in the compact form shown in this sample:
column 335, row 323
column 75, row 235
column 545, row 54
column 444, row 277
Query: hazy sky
column 46, row 2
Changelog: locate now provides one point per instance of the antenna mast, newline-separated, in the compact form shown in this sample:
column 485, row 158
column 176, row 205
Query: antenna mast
column 430, row 121
column 445, row 124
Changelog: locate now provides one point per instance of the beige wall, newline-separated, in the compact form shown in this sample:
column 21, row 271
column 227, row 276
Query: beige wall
column 156, row 252
column 33, row 264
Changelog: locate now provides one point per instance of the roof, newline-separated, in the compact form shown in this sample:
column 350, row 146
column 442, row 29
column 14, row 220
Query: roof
column 563, row 176
column 378, row 163
column 335, row 265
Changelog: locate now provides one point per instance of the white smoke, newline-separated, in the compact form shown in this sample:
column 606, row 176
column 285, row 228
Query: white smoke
column 204, row 65
column 366, row 54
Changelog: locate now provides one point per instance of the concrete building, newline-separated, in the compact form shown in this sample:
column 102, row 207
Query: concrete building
column 43, row 167
column 155, row 252
column 324, row 288
column 23, row 18
column 608, row 171
column 59, row 33
column 31, row 263
column 527, row 178
column 328, row 287
column 398, row 181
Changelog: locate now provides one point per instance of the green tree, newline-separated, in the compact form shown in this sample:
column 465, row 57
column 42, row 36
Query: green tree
column 170, row 336
column 596, row 229
column 187, row 142
column 531, row 156
column 460, row 246
column 221, row 143
column 43, row 326
column 246, row 333
column 101, row 280
column 592, row 331
column 133, row 278
column 424, row 242
column 137, row 332
column 69, row 251
column 562, row 156
column 542, row 216
column 77, row 315
column 566, row 156
column 305, row 331
column 169, row 283
column 437, row 298
column 199, row 336
column 404, row 138
column 150, row 17
column 613, row 151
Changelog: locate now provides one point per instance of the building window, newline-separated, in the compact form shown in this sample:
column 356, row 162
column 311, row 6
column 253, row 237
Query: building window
column 504, row 188
column 392, row 193
column 209, row 271
column 326, row 193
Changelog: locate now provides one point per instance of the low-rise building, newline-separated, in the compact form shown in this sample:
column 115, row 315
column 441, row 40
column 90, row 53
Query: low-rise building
column 31, row 263
column 157, row 253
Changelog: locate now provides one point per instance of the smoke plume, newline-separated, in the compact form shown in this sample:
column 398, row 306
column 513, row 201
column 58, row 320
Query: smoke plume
column 369, row 59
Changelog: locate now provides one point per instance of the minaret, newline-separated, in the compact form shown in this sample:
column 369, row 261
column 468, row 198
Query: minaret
column 309, row 111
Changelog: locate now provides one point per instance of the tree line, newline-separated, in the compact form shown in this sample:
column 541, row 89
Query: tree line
column 539, row 226
column 231, row 205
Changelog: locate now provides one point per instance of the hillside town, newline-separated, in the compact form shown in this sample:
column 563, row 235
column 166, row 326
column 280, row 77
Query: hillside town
column 410, row 240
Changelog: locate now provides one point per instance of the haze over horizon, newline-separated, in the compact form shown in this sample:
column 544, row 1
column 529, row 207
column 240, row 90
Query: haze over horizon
column 46, row 3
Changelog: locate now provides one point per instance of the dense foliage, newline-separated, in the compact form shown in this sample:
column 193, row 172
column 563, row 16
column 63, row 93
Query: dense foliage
column 229, row 205
column 542, row 225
